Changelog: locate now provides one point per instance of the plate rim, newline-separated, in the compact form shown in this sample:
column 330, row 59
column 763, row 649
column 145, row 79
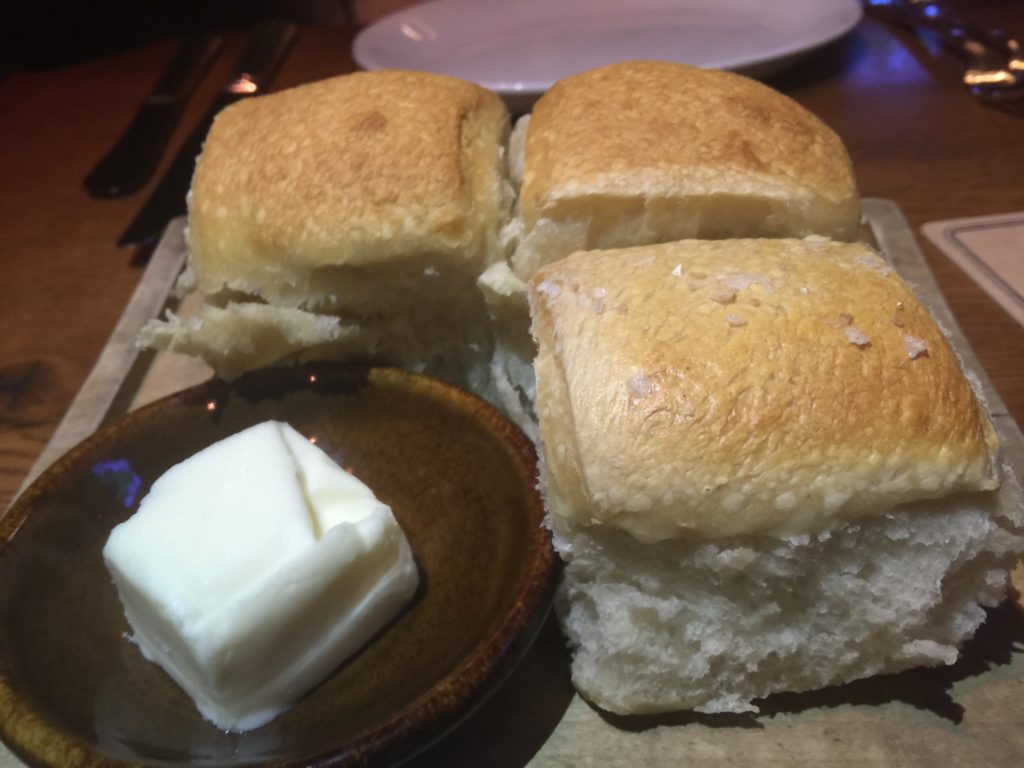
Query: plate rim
column 412, row 728
column 760, row 63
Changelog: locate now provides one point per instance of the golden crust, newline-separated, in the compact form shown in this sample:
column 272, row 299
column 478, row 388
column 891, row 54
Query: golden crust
column 714, row 388
column 359, row 169
column 658, row 130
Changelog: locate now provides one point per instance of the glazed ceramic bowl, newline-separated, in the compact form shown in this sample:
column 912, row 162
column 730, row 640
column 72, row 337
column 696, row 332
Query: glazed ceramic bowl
column 461, row 481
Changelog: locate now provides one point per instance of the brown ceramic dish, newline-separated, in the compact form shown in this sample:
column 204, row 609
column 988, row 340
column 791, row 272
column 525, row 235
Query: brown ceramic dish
column 459, row 478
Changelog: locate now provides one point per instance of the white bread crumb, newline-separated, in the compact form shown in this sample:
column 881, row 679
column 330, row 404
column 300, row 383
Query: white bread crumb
column 713, row 625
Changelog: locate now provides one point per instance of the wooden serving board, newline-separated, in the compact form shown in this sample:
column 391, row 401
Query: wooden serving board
column 969, row 714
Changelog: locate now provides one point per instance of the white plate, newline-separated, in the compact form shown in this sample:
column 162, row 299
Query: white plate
column 518, row 48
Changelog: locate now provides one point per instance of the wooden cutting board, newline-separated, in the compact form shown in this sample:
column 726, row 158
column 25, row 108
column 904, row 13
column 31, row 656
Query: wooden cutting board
column 969, row 714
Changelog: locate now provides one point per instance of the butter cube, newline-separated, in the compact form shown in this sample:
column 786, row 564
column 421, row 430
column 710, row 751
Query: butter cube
column 254, row 568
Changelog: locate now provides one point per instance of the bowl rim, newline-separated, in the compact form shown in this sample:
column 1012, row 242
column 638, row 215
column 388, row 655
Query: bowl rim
column 425, row 719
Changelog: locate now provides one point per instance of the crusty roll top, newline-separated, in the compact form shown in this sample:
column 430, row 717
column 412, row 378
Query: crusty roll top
column 663, row 131
column 713, row 388
column 354, row 171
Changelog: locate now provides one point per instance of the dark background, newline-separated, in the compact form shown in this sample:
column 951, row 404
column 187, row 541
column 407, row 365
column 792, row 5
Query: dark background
column 44, row 34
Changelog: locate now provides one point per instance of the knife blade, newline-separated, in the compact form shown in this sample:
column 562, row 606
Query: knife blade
column 263, row 54
column 132, row 160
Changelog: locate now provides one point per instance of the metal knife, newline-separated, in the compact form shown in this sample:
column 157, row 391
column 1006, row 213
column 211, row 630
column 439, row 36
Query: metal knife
column 132, row 160
column 257, row 65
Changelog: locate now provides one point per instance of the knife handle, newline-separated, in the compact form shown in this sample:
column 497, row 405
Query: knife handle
column 168, row 199
column 187, row 67
column 257, row 65
column 132, row 160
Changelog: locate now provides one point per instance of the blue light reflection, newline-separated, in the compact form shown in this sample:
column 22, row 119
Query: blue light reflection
column 118, row 474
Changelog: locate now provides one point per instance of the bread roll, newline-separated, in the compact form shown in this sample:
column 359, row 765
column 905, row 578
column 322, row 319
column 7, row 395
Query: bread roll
column 649, row 151
column 765, row 471
column 376, row 198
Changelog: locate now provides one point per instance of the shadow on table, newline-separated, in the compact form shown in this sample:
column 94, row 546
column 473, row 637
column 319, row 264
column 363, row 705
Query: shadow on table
column 927, row 689
column 513, row 724
column 509, row 729
column 930, row 688
column 827, row 62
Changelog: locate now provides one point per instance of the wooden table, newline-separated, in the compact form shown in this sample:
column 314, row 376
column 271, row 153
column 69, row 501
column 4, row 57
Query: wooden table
column 915, row 136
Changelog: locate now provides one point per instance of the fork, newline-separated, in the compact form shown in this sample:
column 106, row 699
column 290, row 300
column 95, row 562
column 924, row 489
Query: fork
column 994, row 61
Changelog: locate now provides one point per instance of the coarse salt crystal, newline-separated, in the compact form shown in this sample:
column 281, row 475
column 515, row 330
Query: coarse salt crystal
column 735, row 320
column 641, row 386
column 915, row 347
column 855, row 335
column 597, row 299
column 678, row 270
column 549, row 289
column 723, row 295
column 874, row 264
column 742, row 282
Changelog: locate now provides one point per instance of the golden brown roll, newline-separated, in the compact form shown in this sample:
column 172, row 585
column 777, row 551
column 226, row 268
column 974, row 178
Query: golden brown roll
column 649, row 151
column 374, row 198
column 765, row 471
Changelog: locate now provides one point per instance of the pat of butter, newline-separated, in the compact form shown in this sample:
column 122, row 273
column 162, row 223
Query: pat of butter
column 252, row 569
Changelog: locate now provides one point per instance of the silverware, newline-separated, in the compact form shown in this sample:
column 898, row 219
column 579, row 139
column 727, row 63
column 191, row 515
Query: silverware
column 994, row 64
column 257, row 65
column 1005, row 89
column 134, row 157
